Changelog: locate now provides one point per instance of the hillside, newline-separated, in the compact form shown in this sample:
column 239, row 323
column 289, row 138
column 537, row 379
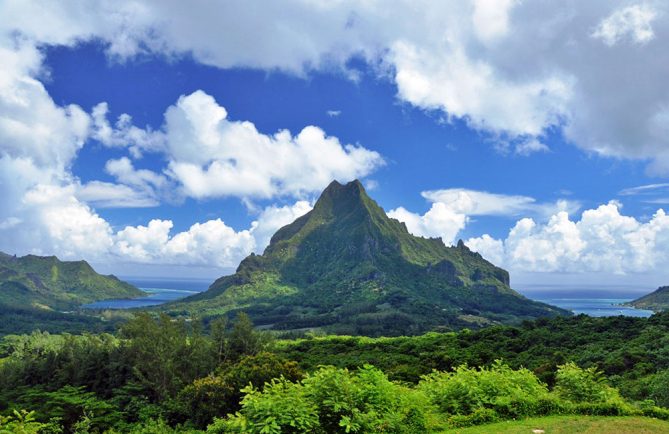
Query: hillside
column 348, row 268
column 45, row 282
column 657, row 300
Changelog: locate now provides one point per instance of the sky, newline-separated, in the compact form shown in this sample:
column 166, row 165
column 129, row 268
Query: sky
column 172, row 139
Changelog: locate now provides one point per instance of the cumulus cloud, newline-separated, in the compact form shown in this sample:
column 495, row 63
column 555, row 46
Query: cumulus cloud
column 212, row 156
column 124, row 133
column 31, row 124
column 633, row 22
column 603, row 241
column 452, row 208
column 52, row 220
column 211, row 243
column 439, row 221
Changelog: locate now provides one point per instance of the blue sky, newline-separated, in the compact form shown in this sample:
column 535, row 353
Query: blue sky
column 422, row 151
column 551, row 159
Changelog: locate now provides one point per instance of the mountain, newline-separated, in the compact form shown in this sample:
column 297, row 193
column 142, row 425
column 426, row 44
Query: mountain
column 657, row 300
column 347, row 267
column 46, row 282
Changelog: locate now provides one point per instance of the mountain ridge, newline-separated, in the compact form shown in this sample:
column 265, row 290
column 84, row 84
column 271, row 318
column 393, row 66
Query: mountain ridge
column 346, row 267
column 656, row 301
column 46, row 282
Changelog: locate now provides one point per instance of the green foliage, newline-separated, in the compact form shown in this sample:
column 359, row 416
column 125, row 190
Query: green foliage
column 244, row 340
column 96, row 382
column 363, row 401
column 329, row 401
column 485, row 394
column 630, row 351
column 220, row 394
column 153, row 426
column 73, row 407
column 166, row 354
column 583, row 385
column 162, row 374
column 281, row 407
column 658, row 387
column 20, row 422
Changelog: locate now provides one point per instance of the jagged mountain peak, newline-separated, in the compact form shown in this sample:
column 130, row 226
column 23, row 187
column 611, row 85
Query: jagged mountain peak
column 347, row 266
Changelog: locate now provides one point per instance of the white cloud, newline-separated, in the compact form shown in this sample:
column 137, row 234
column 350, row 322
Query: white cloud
column 333, row 113
column 530, row 146
column 450, row 81
column 136, row 188
column 53, row 220
column 31, row 124
column 124, row 133
column 108, row 195
column 491, row 18
column 211, row 243
column 439, row 221
column 602, row 241
column 452, row 208
column 644, row 189
column 477, row 203
column 633, row 22
column 212, row 156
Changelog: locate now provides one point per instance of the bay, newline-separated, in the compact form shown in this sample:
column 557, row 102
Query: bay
column 159, row 291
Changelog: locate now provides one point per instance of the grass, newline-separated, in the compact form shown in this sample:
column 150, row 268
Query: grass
column 571, row 425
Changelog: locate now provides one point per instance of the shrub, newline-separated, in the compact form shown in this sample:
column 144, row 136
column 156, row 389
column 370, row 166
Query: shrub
column 330, row 400
column 364, row 401
column 217, row 395
column 20, row 421
column 281, row 407
column 464, row 391
column 583, row 385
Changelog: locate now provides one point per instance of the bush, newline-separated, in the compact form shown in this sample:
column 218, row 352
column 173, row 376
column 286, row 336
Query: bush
column 509, row 393
column 583, row 385
column 21, row 421
column 281, row 407
column 364, row 401
column 330, row 400
column 217, row 395
column 656, row 412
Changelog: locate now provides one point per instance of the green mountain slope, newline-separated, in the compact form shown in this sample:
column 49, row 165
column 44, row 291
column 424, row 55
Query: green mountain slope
column 347, row 267
column 657, row 300
column 48, row 283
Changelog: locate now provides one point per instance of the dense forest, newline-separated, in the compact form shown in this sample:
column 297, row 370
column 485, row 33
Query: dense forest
column 160, row 375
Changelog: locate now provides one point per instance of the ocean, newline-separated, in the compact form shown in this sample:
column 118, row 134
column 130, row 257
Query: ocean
column 591, row 300
column 159, row 291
